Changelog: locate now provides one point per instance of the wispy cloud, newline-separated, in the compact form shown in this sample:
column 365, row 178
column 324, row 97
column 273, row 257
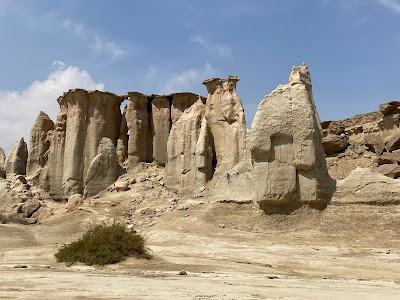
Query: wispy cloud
column 185, row 80
column 212, row 47
column 95, row 41
column 18, row 109
column 391, row 4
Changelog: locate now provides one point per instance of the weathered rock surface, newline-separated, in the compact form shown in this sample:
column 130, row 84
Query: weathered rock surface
column 287, row 165
column 185, row 158
column 2, row 163
column 366, row 186
column 335, row 143
column 74, row 202
column 389, row 170
column 103, row 171
column 39, row 142
column 226, row 122
column 160, row 127
column 17, row 159
column 372, row 140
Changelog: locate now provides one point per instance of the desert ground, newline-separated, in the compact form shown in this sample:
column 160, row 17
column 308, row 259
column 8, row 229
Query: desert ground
column 228, row 250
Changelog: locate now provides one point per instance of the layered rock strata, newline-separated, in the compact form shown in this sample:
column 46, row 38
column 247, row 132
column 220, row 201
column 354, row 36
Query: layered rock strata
column 17, row 159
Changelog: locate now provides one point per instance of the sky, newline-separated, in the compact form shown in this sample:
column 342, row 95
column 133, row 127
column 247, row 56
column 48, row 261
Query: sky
column 352, row 48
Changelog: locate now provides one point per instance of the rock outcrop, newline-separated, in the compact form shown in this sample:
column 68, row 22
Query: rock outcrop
column 17, row 159
column 364, row 186
column 286, row 163
column 226, row 122
column 103, row 171
column 369, row 140
column 39, row 142
column 2, row 163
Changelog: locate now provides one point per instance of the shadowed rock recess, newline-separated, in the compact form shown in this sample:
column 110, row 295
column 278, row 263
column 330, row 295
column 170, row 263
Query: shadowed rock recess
column 205, row 147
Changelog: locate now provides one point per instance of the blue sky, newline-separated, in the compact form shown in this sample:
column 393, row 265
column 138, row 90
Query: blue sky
column 352, row 48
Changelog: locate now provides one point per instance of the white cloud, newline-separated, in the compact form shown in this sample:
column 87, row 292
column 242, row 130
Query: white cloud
column 391, row 4
column 95, row 41
column 184, row 81
column 213, row 48
column 19, row 109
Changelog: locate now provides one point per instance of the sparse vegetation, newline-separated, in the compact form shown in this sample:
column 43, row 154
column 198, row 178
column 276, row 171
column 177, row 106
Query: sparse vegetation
column 104, row 245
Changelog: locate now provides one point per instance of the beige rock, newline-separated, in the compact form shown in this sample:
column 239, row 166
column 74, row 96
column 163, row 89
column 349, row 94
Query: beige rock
column 226, row 121
column 74, row 202
column 393, row 141
column 180, row 102
column 39, row 142
column 90, row 117
column 390, row 108
column 183, row 154
column 122, row 143
column 160, row 127
column 366, row 186
column 2, row 163
column 6, row 197
column 375, row 143
column 285, row 146
column 121, row 186
column 335, row 143
column 30, row 207
column 389, row 170
column 389, row 158
column 138, row 122
column 103, row 171
column 16, row 159
column 51, row 176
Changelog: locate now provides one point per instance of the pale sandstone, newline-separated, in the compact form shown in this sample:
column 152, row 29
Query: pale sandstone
column 17, row 159
column 285, row 147
column 226, row 122
column 39, row 142
column 183, row 165
column 138, row 121
column 103, row 171
column 2, row 163
column 74, row 202
column 366, row 186
column 160, row 127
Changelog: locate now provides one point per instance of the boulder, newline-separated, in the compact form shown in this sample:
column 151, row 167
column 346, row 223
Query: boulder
column 367, row 187
column 393, row 141
column 389, row 158
column 335, row 143
column 17, row 159
column 121, row 186
column 74, row 202
column 389, row 170
column 30, row 207
column 103, row 171
column 375, row 143
column 389, row 108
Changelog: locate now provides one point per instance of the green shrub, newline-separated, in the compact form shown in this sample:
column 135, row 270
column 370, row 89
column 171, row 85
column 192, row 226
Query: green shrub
column 104, row 245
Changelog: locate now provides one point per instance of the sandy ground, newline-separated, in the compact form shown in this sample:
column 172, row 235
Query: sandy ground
column 229, row 251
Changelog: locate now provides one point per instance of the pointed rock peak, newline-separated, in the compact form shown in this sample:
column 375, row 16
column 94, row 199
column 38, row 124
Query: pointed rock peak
column 43, row 122
column 300, row 74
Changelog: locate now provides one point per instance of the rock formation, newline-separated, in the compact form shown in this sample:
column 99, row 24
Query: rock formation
column 160, row 127
column 286, row 164
column 103, row 171
column 369, row 140
column 367, row 187
column 17, row 159
column 226, row 121
column 39, row 142
column 2, row 163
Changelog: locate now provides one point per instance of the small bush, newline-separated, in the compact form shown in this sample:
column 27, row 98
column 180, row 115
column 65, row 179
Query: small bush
column 104, row 245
